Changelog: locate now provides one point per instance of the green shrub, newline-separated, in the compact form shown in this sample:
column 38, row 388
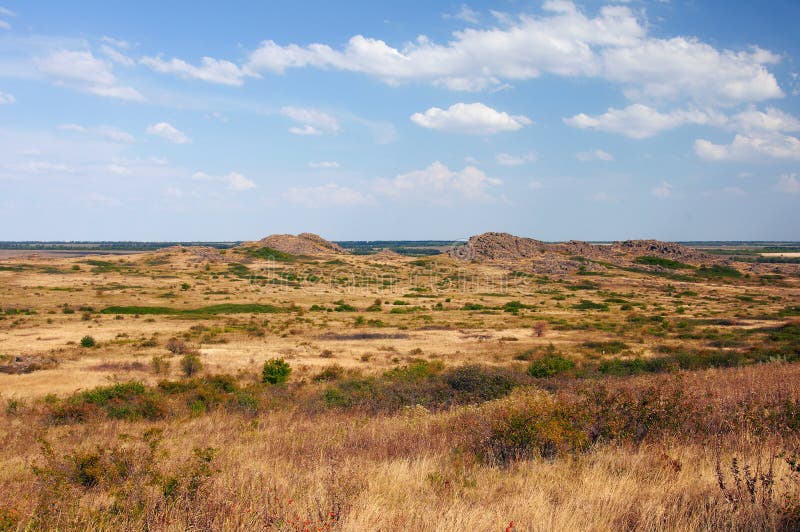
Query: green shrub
column 530, row 427
column 610, row 347
column 275, row 371
column 664, row 263
column 190, row 364
column 473, row 383
column 718, row 272
column 585, row 304
column 417, row 370
column 550, row 365
column 87, row 341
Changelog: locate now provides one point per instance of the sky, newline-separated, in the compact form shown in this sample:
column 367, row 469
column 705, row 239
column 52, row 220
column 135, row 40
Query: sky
column 178, row 121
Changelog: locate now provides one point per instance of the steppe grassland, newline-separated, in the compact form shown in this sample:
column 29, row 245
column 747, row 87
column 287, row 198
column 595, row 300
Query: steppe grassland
column 314, row 450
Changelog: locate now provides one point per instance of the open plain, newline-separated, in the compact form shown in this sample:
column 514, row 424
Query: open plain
column 252, row 388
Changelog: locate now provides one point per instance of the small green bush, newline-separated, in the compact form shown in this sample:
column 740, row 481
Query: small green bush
column 276, row 371
column 550, row 365
column 87, row 341
column 190, row 364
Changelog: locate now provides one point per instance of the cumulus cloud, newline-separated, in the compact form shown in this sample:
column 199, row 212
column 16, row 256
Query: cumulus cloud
column 83, row 71
column 771, row 119
column 664, row 190
column 323, row 164
column 437, row 182
column 639, row 121
column 788, row 183
column 750, row 147
column 470, row 118
column 168, row 132
column 613, row 45
column 6, row 98
column 104, row 132
column 506, row 159
column 312, row 121
column 594, row 155
column 326, row 195
column 210, row 69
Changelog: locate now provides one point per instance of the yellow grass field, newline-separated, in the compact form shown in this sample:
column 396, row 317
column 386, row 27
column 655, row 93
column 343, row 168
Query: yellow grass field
column 422, row 394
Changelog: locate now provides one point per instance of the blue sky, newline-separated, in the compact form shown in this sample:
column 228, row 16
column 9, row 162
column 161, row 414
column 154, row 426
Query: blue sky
column 422, row 120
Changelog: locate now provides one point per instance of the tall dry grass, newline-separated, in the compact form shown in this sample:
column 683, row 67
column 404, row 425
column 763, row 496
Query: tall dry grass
column 291, row 469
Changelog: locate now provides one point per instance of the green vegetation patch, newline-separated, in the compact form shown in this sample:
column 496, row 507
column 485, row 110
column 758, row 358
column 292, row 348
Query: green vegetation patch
column 664, row 263
column 718, row 272
column 266, row 253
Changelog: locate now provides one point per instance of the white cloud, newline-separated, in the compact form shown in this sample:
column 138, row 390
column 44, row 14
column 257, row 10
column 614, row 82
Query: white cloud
column 594, row 155
column 664, row 190
column 639, row 121
column 238, row 182
column 770, row 120
column 465, row 13
column 506, row 159
column 438, row 182
column 210, row 69
column 324, row 195
column 6, row 13
column 535, row 185
column 6, row 98
column 469, row 118
column 84, row 71
column 312, row 121
column 323, row 164
column 104, row 132
column 305, row 130
column 613, row 45
column 116, row 56
column 234, row 180
column 666, row 69
column 116, row 43
column 788, row 183
column 168, row 132
column 750, row 148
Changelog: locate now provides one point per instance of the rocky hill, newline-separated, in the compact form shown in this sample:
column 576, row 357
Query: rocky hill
column 307, row 244
column 564, row 257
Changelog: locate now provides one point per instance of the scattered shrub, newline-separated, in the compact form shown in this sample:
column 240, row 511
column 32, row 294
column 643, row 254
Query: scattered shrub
column 87, row 341
column 176, row 346
column 190, row 364
column 550, row 365
column 275, row 371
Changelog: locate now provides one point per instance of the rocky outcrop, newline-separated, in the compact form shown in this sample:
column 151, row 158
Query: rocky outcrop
column 307, row 244
column 498, row 246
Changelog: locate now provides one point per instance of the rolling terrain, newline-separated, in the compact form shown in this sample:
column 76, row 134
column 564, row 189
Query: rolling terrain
column 502, row 384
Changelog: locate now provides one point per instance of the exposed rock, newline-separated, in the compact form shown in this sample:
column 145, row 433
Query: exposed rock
column 307, row 244
column 507, row 250
column 498, row 246
column 657, row 248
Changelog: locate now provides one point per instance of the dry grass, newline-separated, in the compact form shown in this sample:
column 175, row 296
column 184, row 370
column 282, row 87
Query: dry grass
column 578, row 449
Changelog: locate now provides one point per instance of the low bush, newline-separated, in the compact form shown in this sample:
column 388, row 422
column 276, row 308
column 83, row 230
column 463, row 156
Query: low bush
column 191, row 364
column 275, row 371
column 87, row 341
column 550, row 365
